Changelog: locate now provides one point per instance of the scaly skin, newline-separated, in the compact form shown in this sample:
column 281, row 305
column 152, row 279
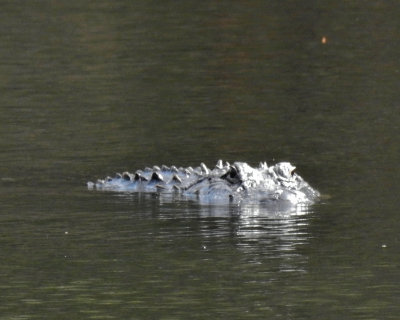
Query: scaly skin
column 225, row 183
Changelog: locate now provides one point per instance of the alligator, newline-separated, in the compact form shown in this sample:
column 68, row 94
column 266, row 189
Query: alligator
column 237, row 182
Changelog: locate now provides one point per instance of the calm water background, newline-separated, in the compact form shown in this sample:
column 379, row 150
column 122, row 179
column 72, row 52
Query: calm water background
column 89, row 88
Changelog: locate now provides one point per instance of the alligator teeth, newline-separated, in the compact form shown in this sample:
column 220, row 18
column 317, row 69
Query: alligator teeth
column 204, row 168
column 164, row 168
column 175, row 187
column 160, row 187
column 118, row 176
column 108, row 179
column 156, row 168
column 219, row 164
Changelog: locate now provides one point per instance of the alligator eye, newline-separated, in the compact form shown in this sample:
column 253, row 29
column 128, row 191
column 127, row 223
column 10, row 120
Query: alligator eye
column 292, row 172
column 232, row 175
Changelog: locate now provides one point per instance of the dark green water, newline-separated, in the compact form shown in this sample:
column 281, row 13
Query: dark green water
column 89, row 88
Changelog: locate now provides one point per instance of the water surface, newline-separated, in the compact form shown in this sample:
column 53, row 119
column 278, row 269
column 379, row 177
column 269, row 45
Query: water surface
column 93, row 88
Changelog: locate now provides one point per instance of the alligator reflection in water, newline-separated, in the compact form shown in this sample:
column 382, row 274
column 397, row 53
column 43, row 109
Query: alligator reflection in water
column 276, row 186
column 260, row 235
column 256, row 230
column 278, row 210
column 275, row 235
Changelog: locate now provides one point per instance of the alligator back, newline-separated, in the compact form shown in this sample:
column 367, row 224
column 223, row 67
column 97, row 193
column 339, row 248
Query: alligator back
column 227, row 183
